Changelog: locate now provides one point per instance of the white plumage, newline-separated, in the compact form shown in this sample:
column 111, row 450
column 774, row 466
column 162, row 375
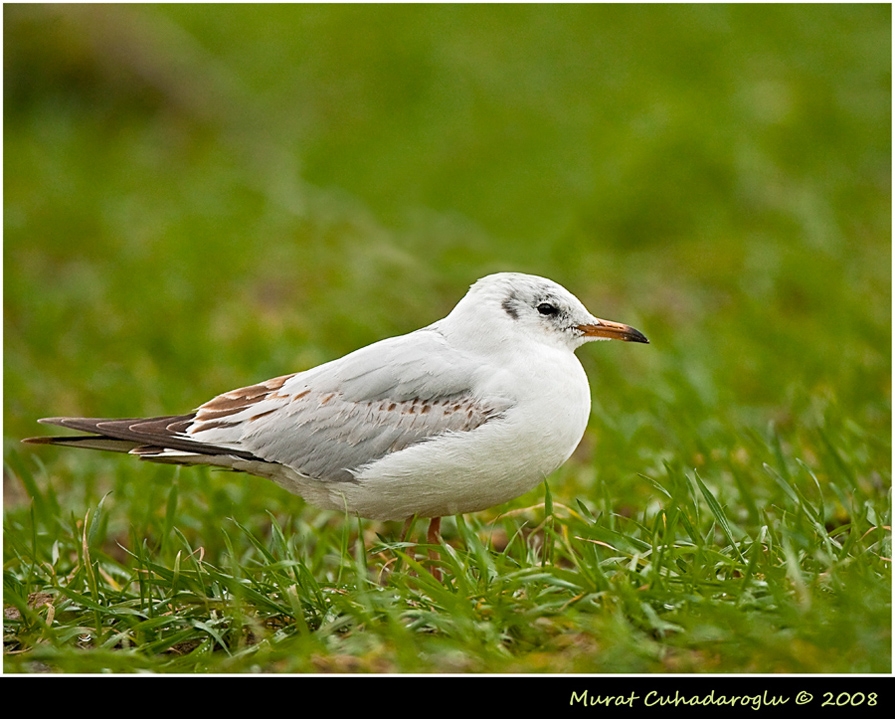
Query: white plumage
column 461, row 415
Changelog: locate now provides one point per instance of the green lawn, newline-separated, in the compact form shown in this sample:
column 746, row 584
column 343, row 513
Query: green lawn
column 202, row 197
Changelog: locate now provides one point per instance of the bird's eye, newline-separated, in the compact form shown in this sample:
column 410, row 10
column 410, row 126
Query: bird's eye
column 545, row 308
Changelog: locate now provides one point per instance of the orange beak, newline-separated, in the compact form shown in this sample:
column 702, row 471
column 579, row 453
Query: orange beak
column 604, row 329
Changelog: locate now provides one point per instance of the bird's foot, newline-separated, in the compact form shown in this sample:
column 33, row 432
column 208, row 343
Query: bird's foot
column 434, row 537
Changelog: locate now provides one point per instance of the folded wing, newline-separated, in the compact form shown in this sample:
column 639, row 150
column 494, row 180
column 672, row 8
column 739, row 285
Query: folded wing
column 325, row 423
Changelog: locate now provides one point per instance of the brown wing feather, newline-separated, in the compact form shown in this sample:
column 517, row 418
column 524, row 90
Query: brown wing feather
column 117, row 434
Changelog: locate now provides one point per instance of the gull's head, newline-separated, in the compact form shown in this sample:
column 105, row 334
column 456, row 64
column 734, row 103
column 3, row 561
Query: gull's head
column 511, row 303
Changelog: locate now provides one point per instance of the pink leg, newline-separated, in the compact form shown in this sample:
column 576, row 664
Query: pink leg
column 434, row 537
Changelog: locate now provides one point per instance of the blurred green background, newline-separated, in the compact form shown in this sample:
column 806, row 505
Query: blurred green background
column 201, row 197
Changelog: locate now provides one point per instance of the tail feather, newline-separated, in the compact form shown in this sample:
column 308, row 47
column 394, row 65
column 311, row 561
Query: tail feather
column 144, row 437
column 86, row 441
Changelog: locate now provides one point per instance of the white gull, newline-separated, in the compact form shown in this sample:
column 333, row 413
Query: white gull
column 465, row 414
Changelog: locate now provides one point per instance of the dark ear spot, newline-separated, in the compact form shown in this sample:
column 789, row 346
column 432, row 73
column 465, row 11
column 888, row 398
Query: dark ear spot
column 509, row 306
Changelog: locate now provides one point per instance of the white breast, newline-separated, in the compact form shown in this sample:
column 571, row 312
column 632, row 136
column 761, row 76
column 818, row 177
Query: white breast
column 502, row 459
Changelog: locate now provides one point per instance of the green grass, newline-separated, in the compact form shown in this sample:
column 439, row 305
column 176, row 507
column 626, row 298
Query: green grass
column 200, row 198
